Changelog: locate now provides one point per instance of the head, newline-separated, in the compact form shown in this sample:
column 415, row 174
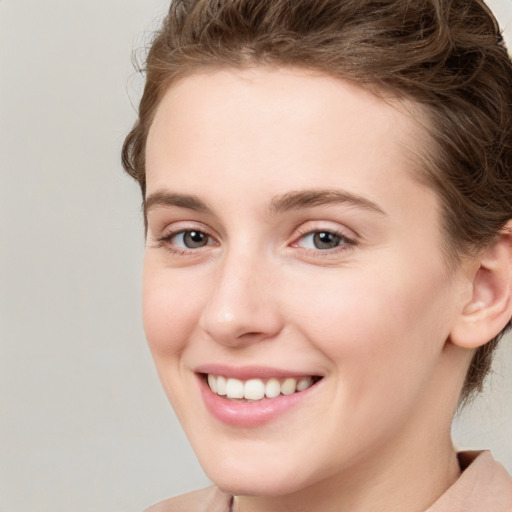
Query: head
column 446, row 57
column 412, row 102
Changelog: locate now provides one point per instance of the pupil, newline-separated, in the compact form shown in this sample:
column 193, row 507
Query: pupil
column 194, row 239
column 324, row 240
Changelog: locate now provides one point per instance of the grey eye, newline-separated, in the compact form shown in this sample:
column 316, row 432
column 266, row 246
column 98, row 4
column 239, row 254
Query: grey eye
column 326, row 240
column 191, row 239
column 322, row 240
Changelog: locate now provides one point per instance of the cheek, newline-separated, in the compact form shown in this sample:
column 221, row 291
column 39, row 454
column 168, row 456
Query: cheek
column 170, row 311
column 383, row 338
column 375, row 325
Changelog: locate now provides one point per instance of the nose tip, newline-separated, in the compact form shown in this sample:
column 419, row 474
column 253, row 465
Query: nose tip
column 241, row 311
column 232, row 330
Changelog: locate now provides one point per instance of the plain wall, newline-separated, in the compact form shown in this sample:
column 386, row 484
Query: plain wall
column 84, row 425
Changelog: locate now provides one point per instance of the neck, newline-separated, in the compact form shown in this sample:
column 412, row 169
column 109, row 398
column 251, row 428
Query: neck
column 388, row 482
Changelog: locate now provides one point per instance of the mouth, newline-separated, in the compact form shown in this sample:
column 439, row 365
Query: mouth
column 257, row 390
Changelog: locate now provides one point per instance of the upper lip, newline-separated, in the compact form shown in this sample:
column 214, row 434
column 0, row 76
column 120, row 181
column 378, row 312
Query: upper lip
column 250, row 372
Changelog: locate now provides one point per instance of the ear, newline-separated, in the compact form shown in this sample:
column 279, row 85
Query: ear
column 489, row 307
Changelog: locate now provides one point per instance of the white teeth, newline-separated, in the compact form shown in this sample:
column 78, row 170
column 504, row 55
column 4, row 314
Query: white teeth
column 254, row 389
column 221, row 386
column 289, row 386
column 304, row 383
column 212, row 382
column 257, row 389
column 272, row 388
column 235, row 388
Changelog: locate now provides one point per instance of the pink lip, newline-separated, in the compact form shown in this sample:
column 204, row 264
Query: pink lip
column 249, row 414
column 248, row 372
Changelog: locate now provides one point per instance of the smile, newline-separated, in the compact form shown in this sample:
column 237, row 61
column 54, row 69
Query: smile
column 258, row 389
column 248, row 397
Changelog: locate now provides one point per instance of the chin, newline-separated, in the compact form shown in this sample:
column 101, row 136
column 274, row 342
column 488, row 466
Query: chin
column 269, row 485
column 248, row 477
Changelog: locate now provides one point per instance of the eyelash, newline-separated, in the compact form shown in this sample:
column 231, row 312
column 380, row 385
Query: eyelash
column 165, row 242
column 345, row 243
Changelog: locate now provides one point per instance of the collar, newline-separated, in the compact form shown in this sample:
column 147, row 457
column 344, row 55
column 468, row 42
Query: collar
column 484, row 486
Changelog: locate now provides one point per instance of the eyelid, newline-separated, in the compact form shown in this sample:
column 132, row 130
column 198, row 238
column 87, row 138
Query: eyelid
column 163, row 240
column 173, row 228
column 349, row 241
column 344, row 239
column 175, row 234
column 328, row 227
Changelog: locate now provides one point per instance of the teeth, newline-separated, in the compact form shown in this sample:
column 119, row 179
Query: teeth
column 235, row 388
column 212, row 382
column 257, row 389
column 254, row 389
column 221, row 386
column 272, row 388
column 304, row 383
column 289, row 386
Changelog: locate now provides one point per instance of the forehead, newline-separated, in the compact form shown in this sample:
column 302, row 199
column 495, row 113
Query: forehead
column 277, row 123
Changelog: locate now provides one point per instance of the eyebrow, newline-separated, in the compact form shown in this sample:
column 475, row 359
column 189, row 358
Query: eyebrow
column 294, row 200
column 311, row 198
column 164, row 198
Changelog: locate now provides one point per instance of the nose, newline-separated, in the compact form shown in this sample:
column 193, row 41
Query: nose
column 242, row 306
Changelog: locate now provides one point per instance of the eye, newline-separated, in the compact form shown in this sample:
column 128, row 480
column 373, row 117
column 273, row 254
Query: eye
column 191, row 239
column 183, row 242
column 322, row 240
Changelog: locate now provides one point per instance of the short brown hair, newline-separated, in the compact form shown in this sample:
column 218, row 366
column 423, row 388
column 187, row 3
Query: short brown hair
column 447, row 56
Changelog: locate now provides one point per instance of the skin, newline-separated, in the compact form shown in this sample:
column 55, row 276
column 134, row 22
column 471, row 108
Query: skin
column 373, row 316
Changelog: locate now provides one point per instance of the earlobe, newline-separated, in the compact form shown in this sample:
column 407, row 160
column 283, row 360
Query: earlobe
column 489, row 307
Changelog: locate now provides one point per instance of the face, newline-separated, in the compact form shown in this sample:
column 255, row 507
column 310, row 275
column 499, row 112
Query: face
column 296, row 299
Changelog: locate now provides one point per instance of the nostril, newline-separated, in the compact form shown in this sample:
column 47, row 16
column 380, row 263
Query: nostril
column 250, row 335
column 233, row 319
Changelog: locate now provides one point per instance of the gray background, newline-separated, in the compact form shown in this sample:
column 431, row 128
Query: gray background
column 84, row 425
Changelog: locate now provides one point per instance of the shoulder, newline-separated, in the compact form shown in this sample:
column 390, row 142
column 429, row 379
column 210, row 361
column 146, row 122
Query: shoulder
column 484, row 485
column 210, row 499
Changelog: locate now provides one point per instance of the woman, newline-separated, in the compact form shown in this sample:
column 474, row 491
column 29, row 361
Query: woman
column 328, row 200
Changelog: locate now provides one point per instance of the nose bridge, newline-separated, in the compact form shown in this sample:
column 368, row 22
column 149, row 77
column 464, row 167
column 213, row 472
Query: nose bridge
column 241, row 305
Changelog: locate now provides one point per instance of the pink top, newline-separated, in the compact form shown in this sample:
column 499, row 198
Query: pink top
column 484, row 486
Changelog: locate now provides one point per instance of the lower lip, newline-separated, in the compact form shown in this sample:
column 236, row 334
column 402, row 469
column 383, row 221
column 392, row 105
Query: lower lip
column 250, row 414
